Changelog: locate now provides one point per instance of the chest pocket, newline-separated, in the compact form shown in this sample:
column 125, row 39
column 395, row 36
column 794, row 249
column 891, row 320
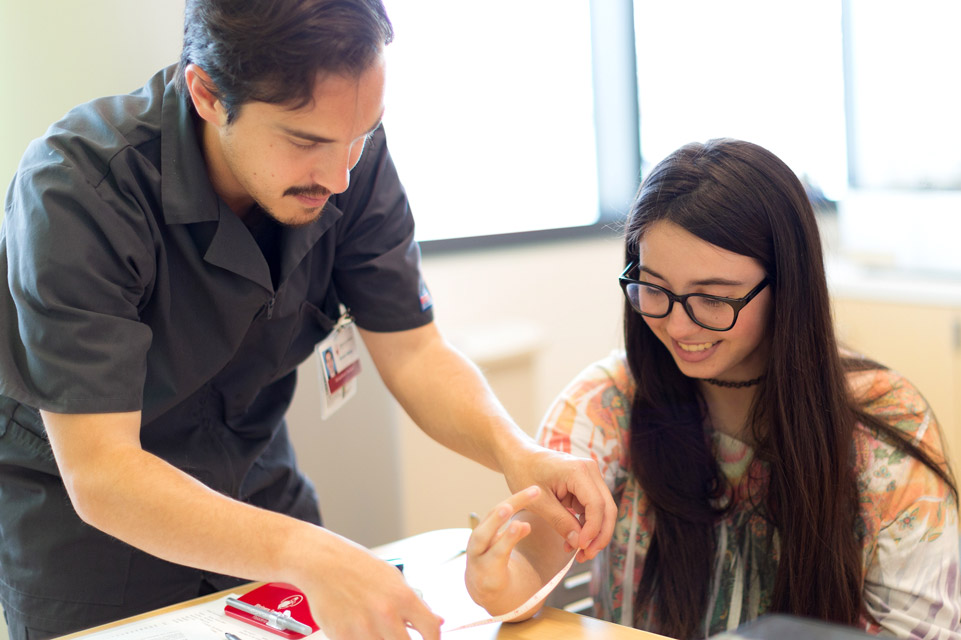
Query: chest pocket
column 314, row 325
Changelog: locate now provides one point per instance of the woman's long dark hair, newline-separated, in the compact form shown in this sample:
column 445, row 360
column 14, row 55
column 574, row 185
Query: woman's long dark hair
column 742, row 198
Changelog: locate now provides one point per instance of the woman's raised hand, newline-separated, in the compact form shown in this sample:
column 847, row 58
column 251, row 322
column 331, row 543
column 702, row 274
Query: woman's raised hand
column 497, row 578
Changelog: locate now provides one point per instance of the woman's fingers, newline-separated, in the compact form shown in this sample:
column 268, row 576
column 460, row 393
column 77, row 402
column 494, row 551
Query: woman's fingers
column 509, row 536
column 492, row 528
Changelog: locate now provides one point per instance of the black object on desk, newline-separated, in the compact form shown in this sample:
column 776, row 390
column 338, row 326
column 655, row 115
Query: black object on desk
column 777, row 626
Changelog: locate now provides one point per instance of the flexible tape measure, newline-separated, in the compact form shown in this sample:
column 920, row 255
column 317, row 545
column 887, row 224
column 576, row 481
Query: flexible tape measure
column 527, row 606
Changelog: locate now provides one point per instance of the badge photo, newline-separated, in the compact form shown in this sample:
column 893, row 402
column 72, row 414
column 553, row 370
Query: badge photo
column 338, row 356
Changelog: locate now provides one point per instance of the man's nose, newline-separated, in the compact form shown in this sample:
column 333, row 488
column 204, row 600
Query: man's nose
column 333, row 170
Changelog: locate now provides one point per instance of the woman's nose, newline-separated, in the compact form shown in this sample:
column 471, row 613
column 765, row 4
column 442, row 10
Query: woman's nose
column 679, row 323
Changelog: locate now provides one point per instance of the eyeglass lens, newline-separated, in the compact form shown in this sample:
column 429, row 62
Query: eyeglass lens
column 707, row 311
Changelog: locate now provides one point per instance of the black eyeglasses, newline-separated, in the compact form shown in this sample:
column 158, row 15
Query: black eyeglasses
column 711, row 312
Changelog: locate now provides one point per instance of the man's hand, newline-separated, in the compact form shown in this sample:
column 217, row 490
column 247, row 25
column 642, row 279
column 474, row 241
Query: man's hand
column 357, row 595
column 575, row 501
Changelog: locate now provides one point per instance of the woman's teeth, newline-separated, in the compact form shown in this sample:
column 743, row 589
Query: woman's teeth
column 696, row 347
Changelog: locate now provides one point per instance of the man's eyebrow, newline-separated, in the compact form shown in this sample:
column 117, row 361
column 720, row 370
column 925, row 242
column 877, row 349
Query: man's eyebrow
column 700, row 283
column 304, row 135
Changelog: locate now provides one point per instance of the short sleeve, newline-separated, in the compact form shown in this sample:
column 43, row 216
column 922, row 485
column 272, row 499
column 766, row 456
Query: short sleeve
column 76, row 261
column 377, row 266
column 911, row 584
column 591, row 419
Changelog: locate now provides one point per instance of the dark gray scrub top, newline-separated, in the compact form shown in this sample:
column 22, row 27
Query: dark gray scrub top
column 132, row 286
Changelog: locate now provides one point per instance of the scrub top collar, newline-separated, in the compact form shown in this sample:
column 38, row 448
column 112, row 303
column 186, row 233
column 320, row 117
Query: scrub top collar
column 186, row 191
column 189, row 197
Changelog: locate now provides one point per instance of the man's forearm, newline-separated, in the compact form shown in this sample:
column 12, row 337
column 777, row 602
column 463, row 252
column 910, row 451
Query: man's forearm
column 141, row 499
column 153, row 506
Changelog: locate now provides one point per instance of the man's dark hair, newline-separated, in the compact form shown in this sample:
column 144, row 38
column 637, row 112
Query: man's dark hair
column 273, row 50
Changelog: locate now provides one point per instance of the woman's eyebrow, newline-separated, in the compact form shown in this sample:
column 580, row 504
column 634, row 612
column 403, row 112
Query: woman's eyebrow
column 642, row 269
column 700, row 283
column 718, row 281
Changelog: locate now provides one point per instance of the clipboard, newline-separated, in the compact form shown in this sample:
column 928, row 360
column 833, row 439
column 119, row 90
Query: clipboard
column 277, row 598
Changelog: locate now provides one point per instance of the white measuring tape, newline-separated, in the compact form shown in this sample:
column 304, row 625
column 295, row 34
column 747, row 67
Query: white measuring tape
column 527, row 606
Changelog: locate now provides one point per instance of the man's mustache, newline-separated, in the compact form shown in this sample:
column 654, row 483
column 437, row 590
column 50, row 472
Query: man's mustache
column 315, row 191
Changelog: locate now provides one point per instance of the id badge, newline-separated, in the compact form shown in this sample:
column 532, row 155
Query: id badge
column 339, row 357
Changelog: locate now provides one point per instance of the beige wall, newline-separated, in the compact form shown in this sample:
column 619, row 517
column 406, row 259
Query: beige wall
column 58, row 53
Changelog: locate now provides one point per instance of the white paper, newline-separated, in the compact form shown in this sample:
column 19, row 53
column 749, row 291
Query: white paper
column 205, row 621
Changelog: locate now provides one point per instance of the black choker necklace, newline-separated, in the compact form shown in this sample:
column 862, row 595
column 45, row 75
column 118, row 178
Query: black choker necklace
column 733, row 385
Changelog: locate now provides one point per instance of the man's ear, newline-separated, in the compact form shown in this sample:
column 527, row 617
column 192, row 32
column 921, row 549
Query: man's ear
column 208, row 106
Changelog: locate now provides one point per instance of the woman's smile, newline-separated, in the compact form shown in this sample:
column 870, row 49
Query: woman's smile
column 694, row 351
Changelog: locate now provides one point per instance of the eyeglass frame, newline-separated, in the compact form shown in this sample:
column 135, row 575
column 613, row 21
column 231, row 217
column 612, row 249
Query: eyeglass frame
column 735, row 303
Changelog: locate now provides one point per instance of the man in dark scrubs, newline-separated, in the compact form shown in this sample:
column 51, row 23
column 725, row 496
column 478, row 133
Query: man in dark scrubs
column 170, row 257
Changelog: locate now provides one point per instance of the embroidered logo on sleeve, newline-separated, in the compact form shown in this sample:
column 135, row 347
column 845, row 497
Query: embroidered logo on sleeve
column 426, row 301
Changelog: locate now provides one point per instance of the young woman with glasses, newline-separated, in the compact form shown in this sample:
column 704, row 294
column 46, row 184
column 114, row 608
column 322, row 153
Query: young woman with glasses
column 757, row 467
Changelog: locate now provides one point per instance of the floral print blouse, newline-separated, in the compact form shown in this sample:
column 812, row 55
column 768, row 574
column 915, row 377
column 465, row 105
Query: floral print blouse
column 908, row 517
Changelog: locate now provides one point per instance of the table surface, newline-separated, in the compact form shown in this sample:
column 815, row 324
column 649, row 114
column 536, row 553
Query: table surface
column 434, row 563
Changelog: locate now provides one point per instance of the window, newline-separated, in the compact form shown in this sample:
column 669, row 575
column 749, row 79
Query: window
column 491, row 117
column 766, row 72
column 904, row 95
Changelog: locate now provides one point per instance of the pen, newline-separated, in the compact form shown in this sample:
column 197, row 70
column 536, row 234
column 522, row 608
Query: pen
column 230, row 636
column 274, row 619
